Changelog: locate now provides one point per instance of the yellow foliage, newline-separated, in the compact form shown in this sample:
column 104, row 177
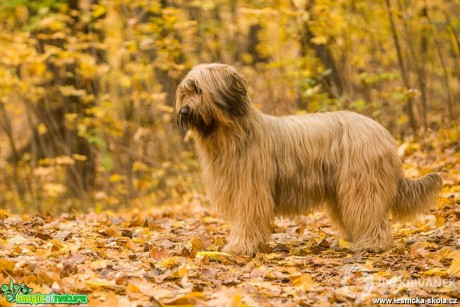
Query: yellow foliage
column 54, row 189
column 42, row 129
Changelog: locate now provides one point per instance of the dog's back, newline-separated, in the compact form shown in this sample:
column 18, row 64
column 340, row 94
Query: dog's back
column 333, row 152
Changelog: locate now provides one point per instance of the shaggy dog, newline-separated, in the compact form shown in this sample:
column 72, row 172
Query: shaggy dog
column 258, row 166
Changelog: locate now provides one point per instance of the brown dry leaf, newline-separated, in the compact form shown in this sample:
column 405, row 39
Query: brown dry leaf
column 197, row 243
column 102, row 284
column 137, row 221
column 7, row 265
column 158, row 252
column 104, row 300
column 189, row 299
column 108, row 231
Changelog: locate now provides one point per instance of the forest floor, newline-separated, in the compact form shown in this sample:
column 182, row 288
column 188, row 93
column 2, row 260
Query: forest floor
column 169, row 256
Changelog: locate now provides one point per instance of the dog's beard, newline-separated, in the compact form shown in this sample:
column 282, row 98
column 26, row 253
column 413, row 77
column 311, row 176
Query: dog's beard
column 195, row 121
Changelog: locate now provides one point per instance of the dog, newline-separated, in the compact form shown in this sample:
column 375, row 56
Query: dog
column 256, row 166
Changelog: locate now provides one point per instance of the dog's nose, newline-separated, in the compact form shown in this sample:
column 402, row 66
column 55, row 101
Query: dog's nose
column 185, row 111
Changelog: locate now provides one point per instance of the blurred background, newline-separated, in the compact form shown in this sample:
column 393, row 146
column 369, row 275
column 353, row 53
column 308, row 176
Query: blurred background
column 87, row 86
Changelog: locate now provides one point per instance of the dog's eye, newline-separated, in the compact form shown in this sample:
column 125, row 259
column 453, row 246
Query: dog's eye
column 198, row 90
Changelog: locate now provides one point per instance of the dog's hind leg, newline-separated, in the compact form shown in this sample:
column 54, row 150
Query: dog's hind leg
column 336, row 216
column 364, row 203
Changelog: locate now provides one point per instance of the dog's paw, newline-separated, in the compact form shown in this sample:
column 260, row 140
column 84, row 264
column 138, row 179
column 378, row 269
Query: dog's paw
column 231, row 249
column 237, row 250
column 357, row 247
column 242, row 251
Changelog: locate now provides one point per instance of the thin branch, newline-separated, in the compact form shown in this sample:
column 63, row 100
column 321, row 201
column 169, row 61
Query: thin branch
column 404, row 74
column 445, row 78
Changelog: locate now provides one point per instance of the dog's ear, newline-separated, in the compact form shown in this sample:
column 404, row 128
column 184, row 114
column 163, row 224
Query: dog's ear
column 191, row 86
column 232, row 92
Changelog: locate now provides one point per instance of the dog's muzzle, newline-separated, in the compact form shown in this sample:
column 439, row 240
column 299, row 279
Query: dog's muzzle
column 185, row 118
column 188, row 118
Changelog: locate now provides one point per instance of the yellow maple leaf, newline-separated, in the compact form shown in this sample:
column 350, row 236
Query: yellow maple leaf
column 212, row 254
column 434, row 272
column 304, row 282
column 454, row 268
column 343, row 243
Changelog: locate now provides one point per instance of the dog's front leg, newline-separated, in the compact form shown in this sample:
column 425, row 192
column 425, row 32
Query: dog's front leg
column 251, row 225
column 247, row 239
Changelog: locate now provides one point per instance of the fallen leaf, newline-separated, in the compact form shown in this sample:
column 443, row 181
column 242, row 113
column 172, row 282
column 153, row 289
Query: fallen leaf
column 304, row 282
column 454, row 269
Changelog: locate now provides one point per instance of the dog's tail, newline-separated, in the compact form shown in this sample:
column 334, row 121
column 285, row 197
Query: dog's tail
column 415, row 196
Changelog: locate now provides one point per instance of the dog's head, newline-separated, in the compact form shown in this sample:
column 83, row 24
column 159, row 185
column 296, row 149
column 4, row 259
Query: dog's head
column 211, row 95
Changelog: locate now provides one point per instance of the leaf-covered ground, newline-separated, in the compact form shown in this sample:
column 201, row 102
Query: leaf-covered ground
column 170, row 255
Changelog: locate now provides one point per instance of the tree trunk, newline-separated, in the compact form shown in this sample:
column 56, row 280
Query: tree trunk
column 333, row 82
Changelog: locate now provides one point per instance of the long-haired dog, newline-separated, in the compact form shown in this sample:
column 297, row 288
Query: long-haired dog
column 258, row 166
